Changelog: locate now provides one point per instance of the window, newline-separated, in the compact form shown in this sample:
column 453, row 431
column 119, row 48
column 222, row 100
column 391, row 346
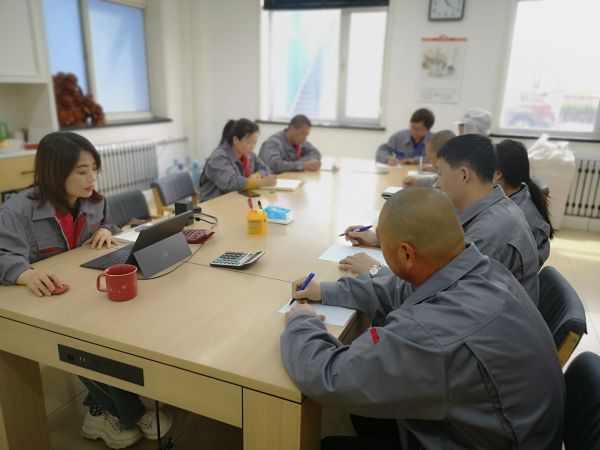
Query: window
column 104, row 44
column 553, row 80
column 327, row 64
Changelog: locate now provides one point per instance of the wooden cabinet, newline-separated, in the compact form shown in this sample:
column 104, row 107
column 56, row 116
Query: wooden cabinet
column 16, row 172
column 21, row 33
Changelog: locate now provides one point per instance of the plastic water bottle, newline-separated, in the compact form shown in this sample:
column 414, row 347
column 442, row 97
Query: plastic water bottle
column 173, row 168
column 196, row 170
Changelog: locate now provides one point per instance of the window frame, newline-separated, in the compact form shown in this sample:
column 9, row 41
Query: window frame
column 88, row 56
column 533, row 133
column 342, row 72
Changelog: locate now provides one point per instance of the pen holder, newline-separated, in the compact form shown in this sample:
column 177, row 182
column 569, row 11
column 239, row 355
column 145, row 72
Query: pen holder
column 257, row 223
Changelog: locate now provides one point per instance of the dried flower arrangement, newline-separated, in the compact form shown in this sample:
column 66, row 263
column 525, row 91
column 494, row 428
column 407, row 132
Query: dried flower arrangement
column 73, row 108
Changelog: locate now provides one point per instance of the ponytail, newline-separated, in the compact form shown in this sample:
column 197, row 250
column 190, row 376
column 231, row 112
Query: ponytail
column 239, row 129
column 513, row 163
column 540, row 200
column 227, row 131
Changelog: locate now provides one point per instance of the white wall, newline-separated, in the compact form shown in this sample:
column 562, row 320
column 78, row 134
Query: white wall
column 225, row 55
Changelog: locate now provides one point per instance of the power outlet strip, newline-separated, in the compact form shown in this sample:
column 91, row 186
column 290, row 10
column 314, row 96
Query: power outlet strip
column 101, row 364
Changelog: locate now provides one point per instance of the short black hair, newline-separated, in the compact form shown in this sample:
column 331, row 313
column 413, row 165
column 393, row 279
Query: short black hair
column 300, row 120
column 423, row 115
column 473, row 150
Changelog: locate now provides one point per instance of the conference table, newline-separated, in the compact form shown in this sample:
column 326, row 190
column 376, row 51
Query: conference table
column 204, row 339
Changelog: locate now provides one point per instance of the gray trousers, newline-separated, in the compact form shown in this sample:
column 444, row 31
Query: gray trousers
column 122, row 404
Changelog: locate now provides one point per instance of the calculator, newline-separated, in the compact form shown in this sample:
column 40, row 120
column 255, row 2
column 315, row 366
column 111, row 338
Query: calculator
column 197, row 236
column 236, row 260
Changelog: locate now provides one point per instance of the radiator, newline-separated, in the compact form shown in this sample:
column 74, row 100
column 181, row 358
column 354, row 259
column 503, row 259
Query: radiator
column 583, row 199
column 127, row 166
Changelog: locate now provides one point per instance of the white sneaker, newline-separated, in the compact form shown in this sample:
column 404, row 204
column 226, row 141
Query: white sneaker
column 108, row 428
column 147, row 424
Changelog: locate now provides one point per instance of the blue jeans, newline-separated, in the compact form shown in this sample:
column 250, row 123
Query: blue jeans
column 122, row 404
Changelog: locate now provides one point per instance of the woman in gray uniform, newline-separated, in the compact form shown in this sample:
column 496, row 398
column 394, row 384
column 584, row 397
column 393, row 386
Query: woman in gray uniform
column 233, row 166
column 60, row 212
column 513, row 175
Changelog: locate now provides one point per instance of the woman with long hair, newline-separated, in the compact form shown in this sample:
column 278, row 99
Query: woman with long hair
column 513, row 176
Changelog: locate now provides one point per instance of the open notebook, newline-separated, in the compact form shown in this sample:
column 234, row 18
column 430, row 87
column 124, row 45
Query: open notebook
column 283, row 184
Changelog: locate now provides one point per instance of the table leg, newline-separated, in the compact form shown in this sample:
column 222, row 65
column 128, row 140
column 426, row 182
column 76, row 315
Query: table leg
column 23, row 422
column 272, row 423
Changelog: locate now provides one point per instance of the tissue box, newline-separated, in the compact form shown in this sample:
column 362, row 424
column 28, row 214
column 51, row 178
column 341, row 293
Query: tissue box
column 278, row 214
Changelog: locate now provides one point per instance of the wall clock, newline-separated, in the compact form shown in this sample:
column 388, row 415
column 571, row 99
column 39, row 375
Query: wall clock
column 446, row 9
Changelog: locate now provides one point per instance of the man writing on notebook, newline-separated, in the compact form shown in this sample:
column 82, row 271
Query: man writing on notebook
column 462, row 358
column 289, row 151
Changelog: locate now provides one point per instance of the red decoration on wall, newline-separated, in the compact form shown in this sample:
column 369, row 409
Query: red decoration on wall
column 72, row 107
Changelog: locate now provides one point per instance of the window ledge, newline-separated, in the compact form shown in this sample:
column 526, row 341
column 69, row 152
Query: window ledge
column 316, row 124
column 551, row 138
column 121, row 123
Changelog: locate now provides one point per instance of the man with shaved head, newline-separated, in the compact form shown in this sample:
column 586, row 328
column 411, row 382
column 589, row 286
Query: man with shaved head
column 463, row 358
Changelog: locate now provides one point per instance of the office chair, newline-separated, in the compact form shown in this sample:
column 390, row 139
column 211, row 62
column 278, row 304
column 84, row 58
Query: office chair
column 128, row 208
column 172, row 188
column 562, row 310
column 582, row 413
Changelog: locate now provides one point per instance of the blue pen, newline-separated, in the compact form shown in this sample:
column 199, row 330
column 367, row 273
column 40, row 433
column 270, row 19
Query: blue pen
column 365, row 228
column 306, row 283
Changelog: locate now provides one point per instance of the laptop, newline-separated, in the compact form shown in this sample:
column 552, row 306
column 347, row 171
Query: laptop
column 157, row 247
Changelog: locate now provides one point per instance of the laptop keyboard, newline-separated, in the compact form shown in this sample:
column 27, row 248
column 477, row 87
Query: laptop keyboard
column 110, row 259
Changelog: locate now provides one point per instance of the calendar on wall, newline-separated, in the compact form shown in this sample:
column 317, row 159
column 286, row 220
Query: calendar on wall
column 442, row 62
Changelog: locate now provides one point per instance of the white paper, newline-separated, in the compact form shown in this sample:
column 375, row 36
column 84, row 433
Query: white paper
column 334, row 315
column 381, row 165
column 391, row 190
column 284, row 184
column 336, row 252
column 328, row 164
column 127, row 236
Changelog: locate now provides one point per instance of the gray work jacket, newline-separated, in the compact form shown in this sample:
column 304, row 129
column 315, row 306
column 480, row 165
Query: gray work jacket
column 280, row 156
column 224, row 172
column 539, row 227
column 463, row 361
column 30, row 232
column 400, row 142
column 499, row 229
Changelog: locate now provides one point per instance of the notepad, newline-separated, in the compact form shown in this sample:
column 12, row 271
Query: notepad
column 284, row 184
column 127, row 236
column 329, row 165
column 337, row 252
column 391, row 190
column 334, row 315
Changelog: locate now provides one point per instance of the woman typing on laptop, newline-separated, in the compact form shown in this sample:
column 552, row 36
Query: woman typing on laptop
column 60, row 212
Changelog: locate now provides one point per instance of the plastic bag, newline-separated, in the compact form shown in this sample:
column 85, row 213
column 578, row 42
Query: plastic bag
column 554, row 164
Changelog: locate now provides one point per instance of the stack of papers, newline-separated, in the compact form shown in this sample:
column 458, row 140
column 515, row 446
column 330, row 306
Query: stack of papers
column 391, row 190
column 283, row 184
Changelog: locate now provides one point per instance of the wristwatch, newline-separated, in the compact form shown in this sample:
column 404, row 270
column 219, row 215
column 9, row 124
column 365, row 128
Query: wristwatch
column 373, row 271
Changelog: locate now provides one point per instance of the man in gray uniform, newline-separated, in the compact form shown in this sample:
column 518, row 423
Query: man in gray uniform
column 490, row 220
column 288, row 150
column 463, row 360
column 406, row 146
column 493, row 222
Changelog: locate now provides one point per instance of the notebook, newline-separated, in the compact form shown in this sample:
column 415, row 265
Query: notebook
column 284, row 184
column 391, row 190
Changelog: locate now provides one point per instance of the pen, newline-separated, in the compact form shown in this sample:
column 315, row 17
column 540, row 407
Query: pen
column 365, row 228
column 259, row 205
column 250, row 205
column 420, row 164
column 306, row 282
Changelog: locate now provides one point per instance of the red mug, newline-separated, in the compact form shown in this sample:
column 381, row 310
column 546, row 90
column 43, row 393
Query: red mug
column 121, row 282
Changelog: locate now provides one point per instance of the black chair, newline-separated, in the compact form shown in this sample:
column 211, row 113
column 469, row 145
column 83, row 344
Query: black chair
column 562, row 310
column 582, row 414
column 128, row 208
column 172, row 188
